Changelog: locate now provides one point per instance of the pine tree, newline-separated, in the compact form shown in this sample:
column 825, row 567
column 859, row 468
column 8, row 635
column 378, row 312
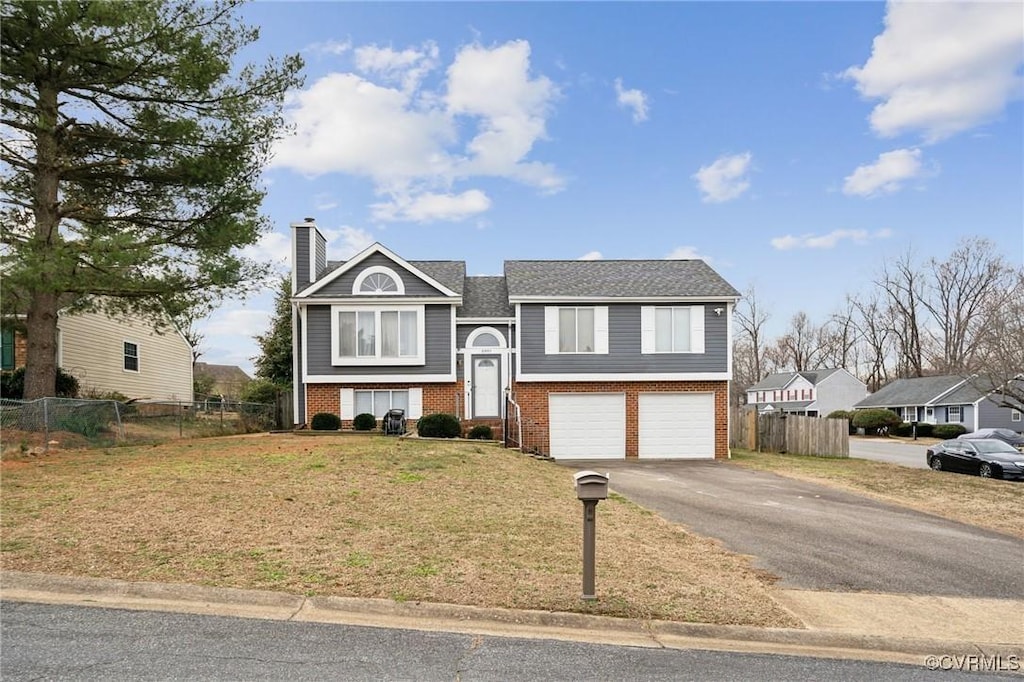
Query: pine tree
column 132, row 152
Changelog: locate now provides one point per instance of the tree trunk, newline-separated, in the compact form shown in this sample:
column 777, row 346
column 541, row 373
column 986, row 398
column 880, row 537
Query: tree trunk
column 41, row 350
column 41, row 325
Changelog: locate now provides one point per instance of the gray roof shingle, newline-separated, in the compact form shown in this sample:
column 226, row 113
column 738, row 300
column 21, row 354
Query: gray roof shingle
column 450, row 273
column 615, row 278
column 780, row 379
column 909, row 392
column 485, row 297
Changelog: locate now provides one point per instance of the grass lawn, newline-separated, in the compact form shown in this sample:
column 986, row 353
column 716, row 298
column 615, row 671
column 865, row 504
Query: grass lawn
column 380, row 517
column 988, row 503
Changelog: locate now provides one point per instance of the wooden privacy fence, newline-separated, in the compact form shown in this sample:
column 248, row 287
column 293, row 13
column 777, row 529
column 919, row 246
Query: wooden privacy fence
column 789, row 433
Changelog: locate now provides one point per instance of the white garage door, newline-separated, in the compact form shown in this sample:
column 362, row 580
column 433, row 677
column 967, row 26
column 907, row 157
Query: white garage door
column 677, row 425
column 587, row 425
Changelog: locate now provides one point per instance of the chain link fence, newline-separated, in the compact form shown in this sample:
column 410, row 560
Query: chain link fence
column 64, row 423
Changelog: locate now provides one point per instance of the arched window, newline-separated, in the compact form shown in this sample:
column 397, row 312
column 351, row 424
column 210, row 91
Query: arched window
column 378, row 281
column 486, row 340
column 485, row 337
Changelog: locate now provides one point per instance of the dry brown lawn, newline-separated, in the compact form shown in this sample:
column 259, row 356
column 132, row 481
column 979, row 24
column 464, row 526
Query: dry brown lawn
column 409, row 520
column 987, row 503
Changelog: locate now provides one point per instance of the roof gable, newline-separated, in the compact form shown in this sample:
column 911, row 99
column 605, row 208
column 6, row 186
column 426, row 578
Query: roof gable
column 452, row 272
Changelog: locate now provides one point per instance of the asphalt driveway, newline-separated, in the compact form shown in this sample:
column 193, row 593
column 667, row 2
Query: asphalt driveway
column 817, row 538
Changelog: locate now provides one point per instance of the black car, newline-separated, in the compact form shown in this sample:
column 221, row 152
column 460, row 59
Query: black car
column 988, row 458
column 1011, row 437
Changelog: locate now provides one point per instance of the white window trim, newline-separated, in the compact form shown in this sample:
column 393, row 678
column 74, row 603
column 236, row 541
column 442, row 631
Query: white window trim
column 648, row 330
column 376, row 360
column 552, row 326
column 906, row 413
column 375, row 270
column 502, row 343
column 138, row 356
column 415, row 411
column 1015, row 415
column 959, row 417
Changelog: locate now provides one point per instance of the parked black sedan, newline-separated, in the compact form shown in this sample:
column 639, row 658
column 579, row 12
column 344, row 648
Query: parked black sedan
column 987, row 458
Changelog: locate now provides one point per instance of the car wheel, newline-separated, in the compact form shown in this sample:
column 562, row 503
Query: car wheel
column 985, row 470
column 935, row 463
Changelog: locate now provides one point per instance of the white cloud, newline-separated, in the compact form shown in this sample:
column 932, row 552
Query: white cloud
column 592, row 255
column 407, row 67
column 238, row 322
column 346, row 241
column 886, row 175
column 725, row 179
column 687, row 253
column 632, row 99
column 274, row 248
column 494, row 87
column 828, row 241
column 482, row 120
column 428, row 207
column 335, row 47
column 942, row 67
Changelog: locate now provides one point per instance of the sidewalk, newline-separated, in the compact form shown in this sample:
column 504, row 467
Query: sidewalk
column 896, row 628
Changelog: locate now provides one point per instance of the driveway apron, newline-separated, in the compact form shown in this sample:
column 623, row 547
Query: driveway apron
column 817, row 538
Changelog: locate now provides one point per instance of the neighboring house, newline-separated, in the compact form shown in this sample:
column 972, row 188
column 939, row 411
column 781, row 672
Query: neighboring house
column 815, row 394
column 122, row 355
column 228, row 380
column 587, row 359
column 944, row 400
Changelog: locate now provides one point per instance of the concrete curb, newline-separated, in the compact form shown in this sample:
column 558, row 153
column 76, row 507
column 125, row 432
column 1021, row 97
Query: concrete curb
column 499, row 622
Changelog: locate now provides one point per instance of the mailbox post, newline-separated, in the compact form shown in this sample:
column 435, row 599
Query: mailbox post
column 591, row 487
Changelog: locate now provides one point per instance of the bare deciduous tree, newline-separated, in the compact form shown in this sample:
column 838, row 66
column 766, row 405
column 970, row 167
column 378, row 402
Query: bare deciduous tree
column 903, row 285
column 962, row 293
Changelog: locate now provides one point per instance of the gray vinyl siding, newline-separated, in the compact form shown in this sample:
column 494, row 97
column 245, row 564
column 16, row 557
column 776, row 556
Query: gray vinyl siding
column 623, row 346
column 321, row 253
column 840, row 391
column 342, row 286
column 463, row 331
column 438, row 348
column 992, row 416
column 942, row 415
column 301, row 263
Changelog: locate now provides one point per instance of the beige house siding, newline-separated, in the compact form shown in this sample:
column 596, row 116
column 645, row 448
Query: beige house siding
column 91, row 347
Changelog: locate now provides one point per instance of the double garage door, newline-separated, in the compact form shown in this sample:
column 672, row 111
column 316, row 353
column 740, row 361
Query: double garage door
column 670, row 425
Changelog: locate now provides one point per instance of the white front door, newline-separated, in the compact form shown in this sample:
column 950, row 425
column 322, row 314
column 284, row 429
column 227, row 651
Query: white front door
column 486, row 387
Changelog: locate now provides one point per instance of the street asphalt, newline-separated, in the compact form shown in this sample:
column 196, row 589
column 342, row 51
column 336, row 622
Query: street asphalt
column 891, row 450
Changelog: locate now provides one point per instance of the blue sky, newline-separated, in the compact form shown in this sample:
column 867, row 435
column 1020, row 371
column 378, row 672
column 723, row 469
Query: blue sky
column 792, row 145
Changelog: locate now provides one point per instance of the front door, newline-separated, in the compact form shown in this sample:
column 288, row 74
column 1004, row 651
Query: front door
column 486, row 387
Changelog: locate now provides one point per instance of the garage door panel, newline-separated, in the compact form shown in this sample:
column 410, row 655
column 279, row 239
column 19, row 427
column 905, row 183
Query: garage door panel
column 587, row 425
column 677, row 425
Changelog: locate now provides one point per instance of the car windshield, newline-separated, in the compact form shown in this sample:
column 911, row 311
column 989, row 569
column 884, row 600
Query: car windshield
column 993, row 446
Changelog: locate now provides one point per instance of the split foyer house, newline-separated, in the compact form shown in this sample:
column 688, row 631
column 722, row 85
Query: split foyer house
column 946, row 399
column 581, row 359
column 814, row 394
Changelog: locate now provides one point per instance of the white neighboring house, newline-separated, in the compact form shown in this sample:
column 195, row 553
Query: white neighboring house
column 125, row 355
column 815, row 394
